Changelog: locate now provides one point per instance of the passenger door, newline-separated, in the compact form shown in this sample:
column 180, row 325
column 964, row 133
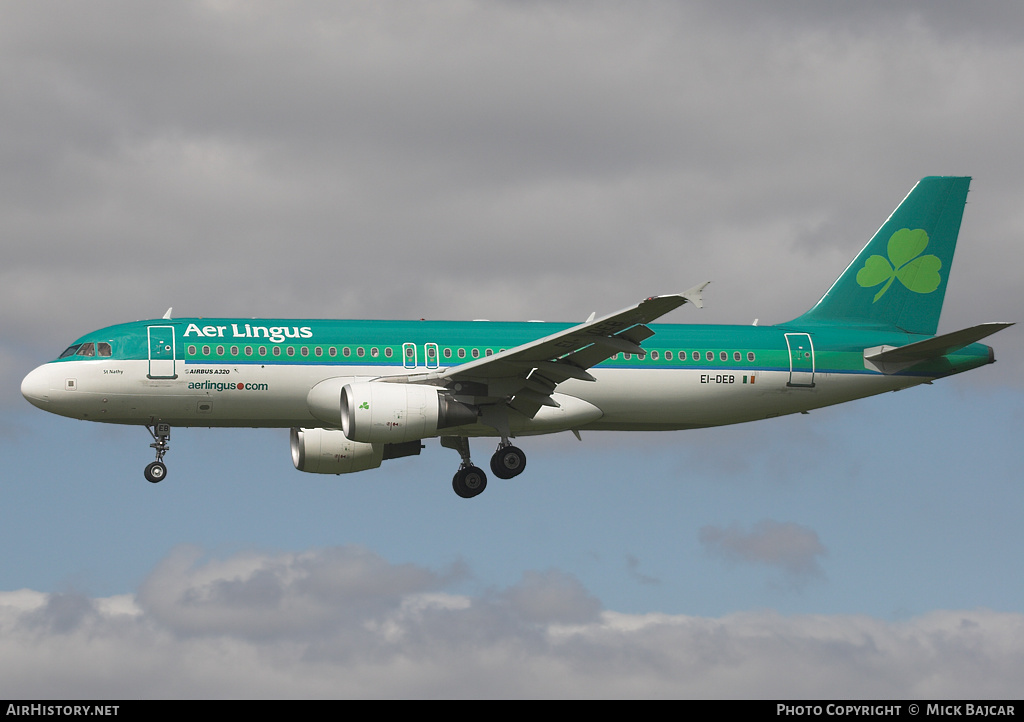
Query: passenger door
column 801, row 359
column 162, row 350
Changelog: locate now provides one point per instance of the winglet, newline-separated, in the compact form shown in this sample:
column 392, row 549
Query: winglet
column 168, row 314
column 694, row 294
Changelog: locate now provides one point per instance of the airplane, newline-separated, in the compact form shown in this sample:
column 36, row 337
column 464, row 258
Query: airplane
column 356, row 393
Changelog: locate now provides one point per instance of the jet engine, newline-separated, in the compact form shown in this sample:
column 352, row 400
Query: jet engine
column 375, row 412
column 329, row 451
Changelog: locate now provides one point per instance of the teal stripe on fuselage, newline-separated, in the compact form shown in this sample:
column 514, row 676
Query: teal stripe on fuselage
column 836, row 350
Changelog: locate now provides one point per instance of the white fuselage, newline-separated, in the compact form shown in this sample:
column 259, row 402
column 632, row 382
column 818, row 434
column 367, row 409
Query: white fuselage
column 118, row 391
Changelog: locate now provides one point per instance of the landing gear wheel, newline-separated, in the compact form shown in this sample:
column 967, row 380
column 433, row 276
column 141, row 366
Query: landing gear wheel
column 507, row 462
column 469, row 482
column 156, row 472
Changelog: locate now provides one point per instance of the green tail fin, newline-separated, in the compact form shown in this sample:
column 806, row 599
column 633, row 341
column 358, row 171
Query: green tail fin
column 899, row 279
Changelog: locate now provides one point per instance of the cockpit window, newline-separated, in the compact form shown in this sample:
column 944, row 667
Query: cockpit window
column 99, row 348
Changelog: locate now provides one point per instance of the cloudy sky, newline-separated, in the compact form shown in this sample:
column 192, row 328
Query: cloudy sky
column 507, row 160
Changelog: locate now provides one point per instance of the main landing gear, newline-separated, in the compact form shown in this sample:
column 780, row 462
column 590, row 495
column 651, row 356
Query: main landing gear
column 508, row 461
column 469, row 481
column 161, row 433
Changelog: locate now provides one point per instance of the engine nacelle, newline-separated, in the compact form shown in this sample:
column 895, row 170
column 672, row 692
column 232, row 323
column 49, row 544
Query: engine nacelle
column 381, row 412
column 329, row 451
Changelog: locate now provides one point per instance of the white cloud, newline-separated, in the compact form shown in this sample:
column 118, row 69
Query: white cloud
column 344, row 622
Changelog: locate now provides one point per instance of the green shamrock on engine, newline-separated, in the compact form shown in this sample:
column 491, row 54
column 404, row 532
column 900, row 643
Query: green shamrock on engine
column 918, row 273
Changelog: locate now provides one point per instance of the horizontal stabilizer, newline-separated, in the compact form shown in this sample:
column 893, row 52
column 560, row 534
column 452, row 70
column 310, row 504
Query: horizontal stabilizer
column 893, row 359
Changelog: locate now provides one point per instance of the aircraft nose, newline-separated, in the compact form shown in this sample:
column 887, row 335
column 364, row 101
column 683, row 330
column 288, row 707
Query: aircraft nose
column 36, row 387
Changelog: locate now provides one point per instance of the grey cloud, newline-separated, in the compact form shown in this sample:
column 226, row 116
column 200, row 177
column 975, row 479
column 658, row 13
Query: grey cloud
column 287, row 594
column 766, row 455
column 487, row 160
column 793, row 548
column 406, row 636
column 63, row 612
column 552, row 597
column 278, row 161
column 633, row 567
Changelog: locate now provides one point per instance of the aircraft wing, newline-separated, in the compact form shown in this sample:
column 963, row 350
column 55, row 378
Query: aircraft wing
column 527, row 375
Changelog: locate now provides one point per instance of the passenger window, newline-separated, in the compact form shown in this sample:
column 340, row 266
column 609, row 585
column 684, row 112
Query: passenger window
column 332, row 352
column 346, row 352
column 389, row 352
column 750, row 356
column 290, row 351
column 736, row 356
column 710, row 356
column 192, row 350
column 723, row 356
column 488, row 352
column 668, row 355
column 263, row 350
column 374, row 352
column 318, row 351
column 86, row 349
column 234, row 350
column 696, row 355
column 462, row 353
column 447, row 353
column 360, row 352
column 206, row 350
column 248, row 350
column 304, row 350
column 476, row 353
column 277, row 350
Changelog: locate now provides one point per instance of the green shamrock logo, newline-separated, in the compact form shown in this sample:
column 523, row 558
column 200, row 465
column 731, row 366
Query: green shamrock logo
column 364, row 405
column 918, row 273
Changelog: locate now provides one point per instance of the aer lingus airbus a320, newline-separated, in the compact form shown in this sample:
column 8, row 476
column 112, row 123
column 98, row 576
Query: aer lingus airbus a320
column 356, row 393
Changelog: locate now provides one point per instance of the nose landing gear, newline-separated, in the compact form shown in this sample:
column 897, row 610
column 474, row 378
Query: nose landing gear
column 156, row 471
